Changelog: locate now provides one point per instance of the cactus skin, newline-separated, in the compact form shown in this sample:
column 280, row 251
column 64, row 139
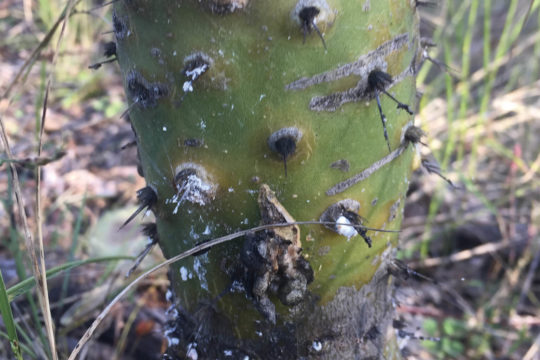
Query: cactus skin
column 208, row 82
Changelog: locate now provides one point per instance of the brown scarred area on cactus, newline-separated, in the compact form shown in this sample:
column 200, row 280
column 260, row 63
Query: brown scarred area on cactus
column 272, row 260
column 348, row 327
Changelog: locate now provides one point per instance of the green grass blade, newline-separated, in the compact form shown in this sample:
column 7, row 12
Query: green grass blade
column 27, row 284
column 506, row 40
column 24, row 348
column 9, row 322
column 487, row 33
column 465, row 72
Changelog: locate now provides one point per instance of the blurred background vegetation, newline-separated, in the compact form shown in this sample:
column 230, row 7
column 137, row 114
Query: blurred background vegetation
column 478, row 242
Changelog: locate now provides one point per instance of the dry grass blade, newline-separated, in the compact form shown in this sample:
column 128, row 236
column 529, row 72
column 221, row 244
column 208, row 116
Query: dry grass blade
column 39, row 267
column 206, row 245
column 484, row 249
column 31, row 162
column 38, row 264
column 534, row 350
column 29, row 240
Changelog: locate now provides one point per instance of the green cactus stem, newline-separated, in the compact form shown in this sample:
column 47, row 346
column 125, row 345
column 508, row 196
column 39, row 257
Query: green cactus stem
column 248, row 112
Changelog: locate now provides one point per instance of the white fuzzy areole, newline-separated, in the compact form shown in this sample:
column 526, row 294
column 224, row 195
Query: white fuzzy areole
column 198, row 188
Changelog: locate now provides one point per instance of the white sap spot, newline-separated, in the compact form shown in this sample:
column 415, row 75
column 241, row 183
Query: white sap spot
column 345, row 230
column 237, row 286
column 232, row 107
column 308, row 201
column 227, row 352
column 262, row 97
column 194, row 190
column 221, row 53
column 169, row 309
column 207, row 230
column 164, row 128
column 174, row 53
column 193, row 75
column 193, row 234
column 192, row 352
column 259, row 333
column 231, row 189
column 198, row 71
column 317, row 346
column 173, row 313
column 200, row 270
column 202, row 125
column 187, row 86
column 184, row 273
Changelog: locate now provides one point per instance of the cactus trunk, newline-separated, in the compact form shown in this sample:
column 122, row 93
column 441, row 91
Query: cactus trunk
column 250, row 112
